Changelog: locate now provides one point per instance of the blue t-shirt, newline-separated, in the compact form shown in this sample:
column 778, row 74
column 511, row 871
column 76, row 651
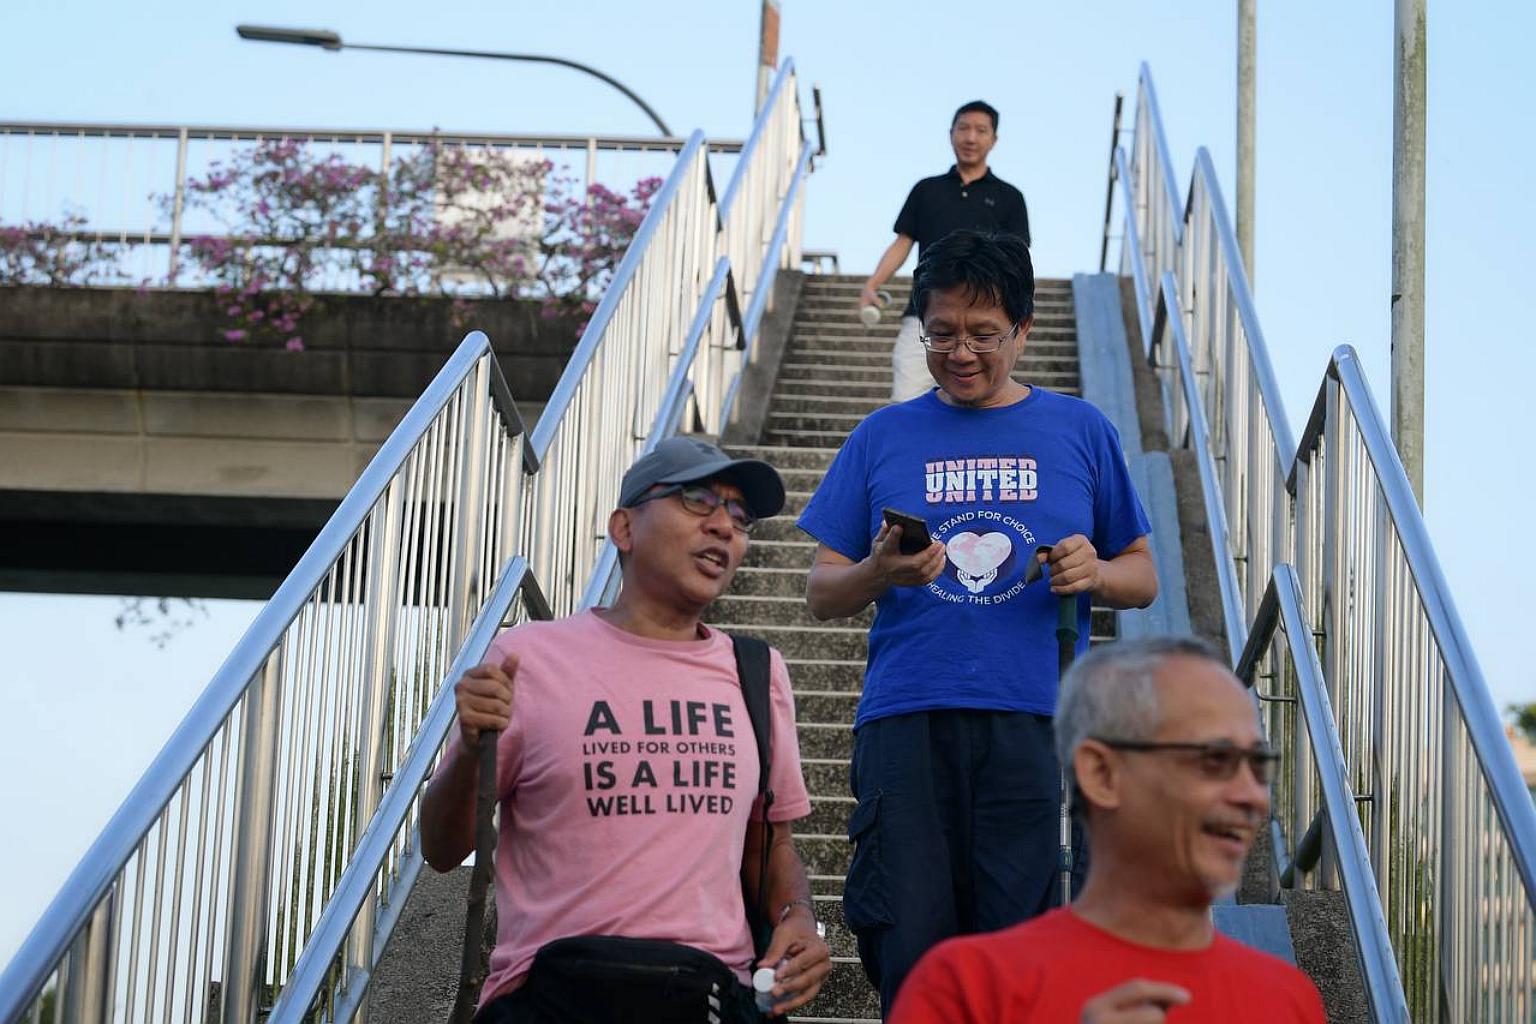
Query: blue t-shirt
column 992, row 484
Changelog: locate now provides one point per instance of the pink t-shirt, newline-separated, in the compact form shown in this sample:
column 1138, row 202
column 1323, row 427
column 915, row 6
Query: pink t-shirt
column 626, row 778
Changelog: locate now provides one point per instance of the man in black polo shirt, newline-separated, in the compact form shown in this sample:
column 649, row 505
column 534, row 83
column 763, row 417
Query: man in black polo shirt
column 968, row 195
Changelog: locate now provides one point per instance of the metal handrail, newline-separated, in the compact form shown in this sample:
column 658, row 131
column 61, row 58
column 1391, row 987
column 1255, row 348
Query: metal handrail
column 133, row 239
column 782, row 80
column 103, row 863
column 1144, row 298
column 1109, row 191
column 1510, row 797
column 312, row 972
column 254, row 133
column 440, row 510
column 603, row 582
column 1196, row 436
column 1281, row 611
column 1449, row 827
column 1247, row 313
column 597, row 327
column 775, row 256
column 1160, row 139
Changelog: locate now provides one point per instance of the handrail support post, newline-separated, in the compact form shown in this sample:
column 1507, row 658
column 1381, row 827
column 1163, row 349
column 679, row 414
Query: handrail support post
column 250, row 885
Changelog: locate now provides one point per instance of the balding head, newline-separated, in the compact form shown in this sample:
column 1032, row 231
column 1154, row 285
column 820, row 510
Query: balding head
column 1163, row 744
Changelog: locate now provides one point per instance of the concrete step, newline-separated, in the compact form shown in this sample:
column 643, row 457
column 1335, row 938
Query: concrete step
column 792, row 372
column 1058, row 329
column 733, row 608
column 825, row 776
column 838, row 643
column 839, row 388
column 806, row 438
column 829, row 814
column 796, row 376
column 846, row 315
column 823, row 739
column 798, row 403
column 1064, row 353
column 780, row 554
column 824, row 854
column 838, row 357
column 1325, row 951
column 834, row 706
column 795, row 501
column 846, row 997
column 780, row 527
column 783, row 458
column 825, row 673
column 835, row 361
column 855, row 283
column 830, row 421
column 829, row 302
column 737, row 612
column 826, row 885
column 754, row 581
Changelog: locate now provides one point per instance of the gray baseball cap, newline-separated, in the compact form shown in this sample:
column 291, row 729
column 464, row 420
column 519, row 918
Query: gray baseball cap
column 686, row 460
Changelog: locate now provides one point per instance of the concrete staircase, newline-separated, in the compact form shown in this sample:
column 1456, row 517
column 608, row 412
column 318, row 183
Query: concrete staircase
column 836, row 371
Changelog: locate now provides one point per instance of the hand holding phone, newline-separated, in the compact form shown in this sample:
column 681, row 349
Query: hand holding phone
column 914, row 531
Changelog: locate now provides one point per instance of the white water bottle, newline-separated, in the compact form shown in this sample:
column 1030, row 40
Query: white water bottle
column 763, row 981
column 870, row 314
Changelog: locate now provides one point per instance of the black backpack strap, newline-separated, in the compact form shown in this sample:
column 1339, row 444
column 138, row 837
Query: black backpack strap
column 753, row 668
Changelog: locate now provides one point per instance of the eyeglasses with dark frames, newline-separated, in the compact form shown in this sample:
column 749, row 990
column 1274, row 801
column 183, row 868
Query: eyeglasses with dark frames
column 1216, row 761
column 981, row 344
column 702, row 500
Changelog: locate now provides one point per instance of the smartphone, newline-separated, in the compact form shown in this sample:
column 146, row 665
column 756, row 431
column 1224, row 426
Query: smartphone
column 914, row 531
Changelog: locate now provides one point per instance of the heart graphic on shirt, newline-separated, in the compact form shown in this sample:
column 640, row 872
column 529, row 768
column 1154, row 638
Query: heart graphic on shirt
column 977, row 556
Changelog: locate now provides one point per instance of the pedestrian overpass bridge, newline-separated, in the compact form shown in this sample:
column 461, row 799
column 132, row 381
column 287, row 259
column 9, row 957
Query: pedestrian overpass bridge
column 263, row 863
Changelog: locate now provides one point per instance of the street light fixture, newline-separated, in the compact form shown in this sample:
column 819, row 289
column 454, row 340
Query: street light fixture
column 328, row 40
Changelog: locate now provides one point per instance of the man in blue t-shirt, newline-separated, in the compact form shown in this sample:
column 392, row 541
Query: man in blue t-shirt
column 955, row 828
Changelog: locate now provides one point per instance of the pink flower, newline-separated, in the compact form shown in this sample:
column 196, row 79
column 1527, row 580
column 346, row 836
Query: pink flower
column 234, row 335
column 295, row 345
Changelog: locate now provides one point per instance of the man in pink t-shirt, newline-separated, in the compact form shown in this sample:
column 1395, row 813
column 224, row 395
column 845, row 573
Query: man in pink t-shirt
column 628, row 774
column 1164, row 747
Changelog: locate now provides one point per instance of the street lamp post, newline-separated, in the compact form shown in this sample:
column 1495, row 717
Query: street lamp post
column 328, row 40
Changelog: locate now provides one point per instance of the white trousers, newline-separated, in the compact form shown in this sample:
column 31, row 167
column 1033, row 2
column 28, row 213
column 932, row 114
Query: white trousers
column 909, row 363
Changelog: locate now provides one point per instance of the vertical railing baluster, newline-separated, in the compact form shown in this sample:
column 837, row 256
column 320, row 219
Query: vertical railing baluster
column 250, row 893
column 382, row 613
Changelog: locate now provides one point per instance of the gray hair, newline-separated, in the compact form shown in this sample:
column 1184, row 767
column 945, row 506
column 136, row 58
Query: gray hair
column 1111, row 691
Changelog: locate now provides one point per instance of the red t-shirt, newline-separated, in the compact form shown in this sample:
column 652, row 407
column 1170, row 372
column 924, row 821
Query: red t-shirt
column 1046, row 969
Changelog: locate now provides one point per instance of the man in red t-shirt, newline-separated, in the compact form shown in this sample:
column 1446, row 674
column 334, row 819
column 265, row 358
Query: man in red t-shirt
column 1170, row 768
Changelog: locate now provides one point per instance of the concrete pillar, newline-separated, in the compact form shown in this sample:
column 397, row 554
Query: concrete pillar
column 1247, row 90
column 767, row 52
column 1408, row 133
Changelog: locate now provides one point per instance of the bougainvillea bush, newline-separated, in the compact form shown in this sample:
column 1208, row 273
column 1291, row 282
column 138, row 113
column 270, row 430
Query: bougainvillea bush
column 446, row 220
column 41, row 253
column 296, row 224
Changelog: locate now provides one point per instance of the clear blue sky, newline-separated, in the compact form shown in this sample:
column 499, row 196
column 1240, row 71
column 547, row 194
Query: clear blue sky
column 891, row 75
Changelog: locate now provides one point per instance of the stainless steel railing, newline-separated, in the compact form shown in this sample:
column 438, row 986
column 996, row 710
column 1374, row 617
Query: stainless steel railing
column 1281, row 664
column 114, row 176
column 260, row 865
column 1447, row 819
column 203, row 888
column 1448, row 826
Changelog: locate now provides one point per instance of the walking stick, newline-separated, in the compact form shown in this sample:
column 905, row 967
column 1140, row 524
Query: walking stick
column 472, row 964
column 1066, row 651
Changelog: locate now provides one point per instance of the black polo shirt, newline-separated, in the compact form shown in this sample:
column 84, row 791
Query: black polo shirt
column 943, row 203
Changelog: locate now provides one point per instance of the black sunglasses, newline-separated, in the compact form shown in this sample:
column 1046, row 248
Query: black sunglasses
column 1217, row 761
